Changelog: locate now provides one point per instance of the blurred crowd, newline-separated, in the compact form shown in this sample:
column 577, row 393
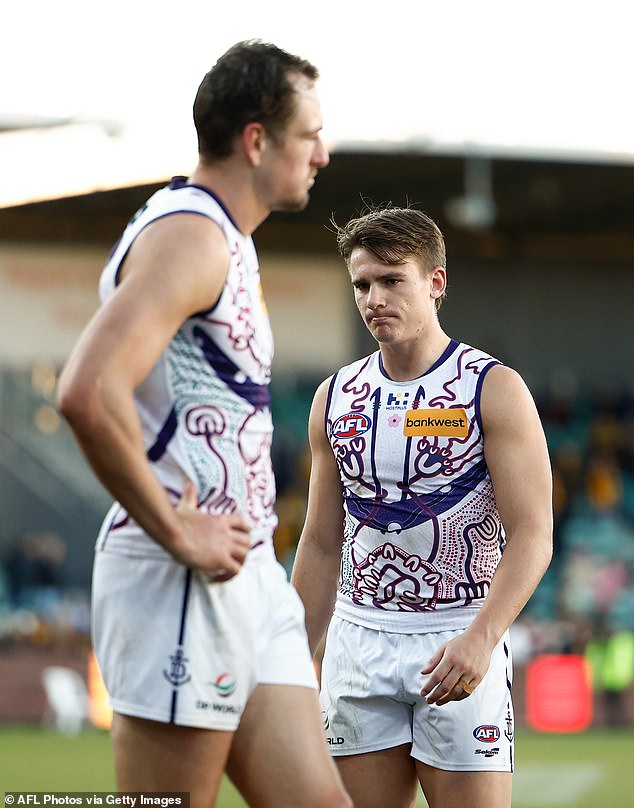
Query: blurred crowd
column 584, row 604
column 591, row 579
column 36, row 604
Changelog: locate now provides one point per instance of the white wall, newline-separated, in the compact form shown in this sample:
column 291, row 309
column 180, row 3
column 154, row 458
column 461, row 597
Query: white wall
column 49, row 292
column 312, row 312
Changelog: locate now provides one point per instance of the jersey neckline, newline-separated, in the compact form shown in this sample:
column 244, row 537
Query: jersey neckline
column 451, row 347
column 179, row 182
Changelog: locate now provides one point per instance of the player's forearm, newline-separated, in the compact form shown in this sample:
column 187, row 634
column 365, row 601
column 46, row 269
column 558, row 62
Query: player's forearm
column 315, row 576
column 108, row 433
column 523, row 564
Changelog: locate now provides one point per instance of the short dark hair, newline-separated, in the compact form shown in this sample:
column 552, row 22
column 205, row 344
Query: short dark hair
column 393, row 235
column 252, row 81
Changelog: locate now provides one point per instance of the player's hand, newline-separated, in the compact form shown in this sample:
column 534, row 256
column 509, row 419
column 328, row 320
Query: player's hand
column 456, row 669
column 217, row 546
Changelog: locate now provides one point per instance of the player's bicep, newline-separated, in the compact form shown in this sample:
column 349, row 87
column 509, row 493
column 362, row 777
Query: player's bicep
column 325, row 514
column 175, row 269
column 516, row 452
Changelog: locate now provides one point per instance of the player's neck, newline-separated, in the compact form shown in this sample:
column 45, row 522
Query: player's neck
column 406, row 361
column 232, row 186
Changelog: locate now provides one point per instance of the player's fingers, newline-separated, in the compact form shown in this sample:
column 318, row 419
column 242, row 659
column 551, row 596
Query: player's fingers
column 240, row 539
column 189, row 497
column 239, row 523
column 221, row 576
column 461, row 690
column 435, row 679
column 239, row 552
column 230, row 568
column 465, row 686
column 430, row 690
column 435, row 659
column 456, row 693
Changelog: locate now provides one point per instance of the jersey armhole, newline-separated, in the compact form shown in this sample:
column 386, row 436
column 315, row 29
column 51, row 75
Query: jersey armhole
column 331, row 388
column 478, row 391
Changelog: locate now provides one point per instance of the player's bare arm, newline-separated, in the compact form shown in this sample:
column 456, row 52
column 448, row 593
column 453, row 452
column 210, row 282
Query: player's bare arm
column 167, row 277
column 517, row 457
column 316, row 568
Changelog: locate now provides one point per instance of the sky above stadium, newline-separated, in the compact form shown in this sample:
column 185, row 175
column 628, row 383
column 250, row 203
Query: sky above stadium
column 532, row 78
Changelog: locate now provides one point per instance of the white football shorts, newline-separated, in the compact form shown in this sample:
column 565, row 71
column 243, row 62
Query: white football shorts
column 175, row 648
column 370, row 697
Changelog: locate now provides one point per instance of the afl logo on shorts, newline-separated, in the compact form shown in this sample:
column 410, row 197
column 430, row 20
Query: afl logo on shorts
column 351, row 425
column 486, row 733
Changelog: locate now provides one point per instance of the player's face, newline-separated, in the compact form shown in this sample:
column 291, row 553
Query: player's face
column 396, row 301
column 293, row 162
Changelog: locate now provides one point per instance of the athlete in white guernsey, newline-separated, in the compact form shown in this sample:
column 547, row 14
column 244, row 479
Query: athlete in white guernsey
column 199, row 635
column 422, row 532
column 428, row 528
column 204, row 407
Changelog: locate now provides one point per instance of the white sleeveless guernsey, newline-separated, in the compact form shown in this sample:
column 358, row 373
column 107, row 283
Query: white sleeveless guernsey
column 422, row 535
column 205, row 406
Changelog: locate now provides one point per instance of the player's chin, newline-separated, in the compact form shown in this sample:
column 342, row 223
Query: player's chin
column 292, row 205
column 381, row 333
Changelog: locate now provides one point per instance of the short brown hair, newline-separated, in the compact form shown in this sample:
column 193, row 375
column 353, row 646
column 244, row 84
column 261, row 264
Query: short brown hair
column 393, row 235
column 252, row 81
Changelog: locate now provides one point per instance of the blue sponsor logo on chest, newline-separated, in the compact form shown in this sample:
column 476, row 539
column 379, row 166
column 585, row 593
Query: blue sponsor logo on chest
column 397, row 401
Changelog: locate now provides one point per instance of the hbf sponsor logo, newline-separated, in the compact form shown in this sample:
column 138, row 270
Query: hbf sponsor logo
column 351, row 425
column 486, row 733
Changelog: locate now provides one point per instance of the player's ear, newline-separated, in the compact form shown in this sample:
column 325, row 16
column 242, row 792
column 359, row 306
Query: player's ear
column 438, row 280
column 253, row 141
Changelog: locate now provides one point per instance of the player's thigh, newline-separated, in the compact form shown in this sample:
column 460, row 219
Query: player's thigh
column 380, row 779
column 279, row 757
column 476, row 789
column 154, row 756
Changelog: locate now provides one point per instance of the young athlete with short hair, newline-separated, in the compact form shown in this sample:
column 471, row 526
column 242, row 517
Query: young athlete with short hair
column 428, row 527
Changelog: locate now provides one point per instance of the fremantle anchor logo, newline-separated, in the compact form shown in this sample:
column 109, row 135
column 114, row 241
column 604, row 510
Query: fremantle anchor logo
column 177, row 674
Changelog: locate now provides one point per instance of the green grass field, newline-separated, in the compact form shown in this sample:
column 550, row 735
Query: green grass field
column 590, row 770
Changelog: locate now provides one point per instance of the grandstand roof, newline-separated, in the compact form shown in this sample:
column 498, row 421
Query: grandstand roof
column 489, row 204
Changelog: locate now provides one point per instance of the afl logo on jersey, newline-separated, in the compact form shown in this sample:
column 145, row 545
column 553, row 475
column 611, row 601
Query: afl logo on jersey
column 351, row 425
column 486, row 733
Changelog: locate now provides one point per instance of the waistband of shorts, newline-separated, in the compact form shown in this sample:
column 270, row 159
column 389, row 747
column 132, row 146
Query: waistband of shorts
column 139, row 545
column 448, row 619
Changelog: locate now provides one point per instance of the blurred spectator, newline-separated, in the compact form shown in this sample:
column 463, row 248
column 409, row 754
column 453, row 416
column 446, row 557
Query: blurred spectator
column 34, row 569
column 611, row 658
column 604, row 483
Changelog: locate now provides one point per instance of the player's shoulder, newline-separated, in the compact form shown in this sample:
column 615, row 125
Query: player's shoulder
column 505, row 396
column 322, row 392
column 182, row 239
column 182, row 259
column 502, row 378
column 182, row 215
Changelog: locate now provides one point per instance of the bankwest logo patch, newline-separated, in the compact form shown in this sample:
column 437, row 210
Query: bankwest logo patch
column 448, row 423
